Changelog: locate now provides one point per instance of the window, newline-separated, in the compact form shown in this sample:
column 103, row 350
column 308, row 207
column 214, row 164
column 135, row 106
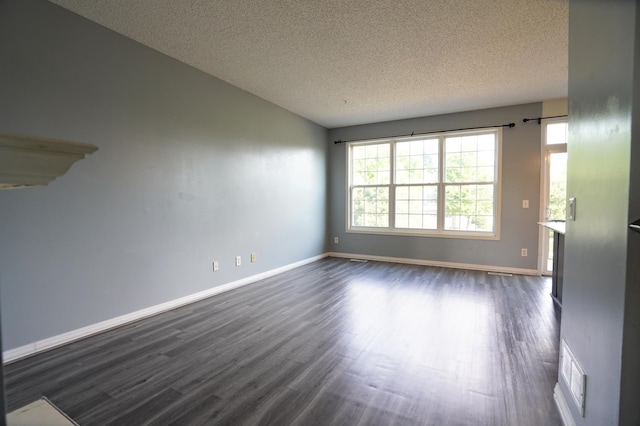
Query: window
column 440, row 185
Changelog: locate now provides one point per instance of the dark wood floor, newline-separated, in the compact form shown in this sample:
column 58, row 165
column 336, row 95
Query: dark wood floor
column 334, row 342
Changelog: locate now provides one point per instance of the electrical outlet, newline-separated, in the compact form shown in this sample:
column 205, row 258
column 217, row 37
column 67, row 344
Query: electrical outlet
column 523, row 252
column 216, row 266
column 253, row 257
column 238, row 260
column 525, row 204
column 335, row 240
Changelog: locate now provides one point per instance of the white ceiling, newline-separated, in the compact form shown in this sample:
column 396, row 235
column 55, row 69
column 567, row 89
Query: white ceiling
column 346, row 62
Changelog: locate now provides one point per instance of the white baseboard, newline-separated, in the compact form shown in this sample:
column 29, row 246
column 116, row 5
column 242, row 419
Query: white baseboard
column 455, row 265
column 563, row 408
column 20, row 352
column 81, row 333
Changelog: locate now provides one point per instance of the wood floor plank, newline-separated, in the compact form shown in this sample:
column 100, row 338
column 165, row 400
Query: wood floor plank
column 330, row 343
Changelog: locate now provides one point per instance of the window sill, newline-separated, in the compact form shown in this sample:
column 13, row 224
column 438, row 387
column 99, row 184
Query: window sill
column 431, row 234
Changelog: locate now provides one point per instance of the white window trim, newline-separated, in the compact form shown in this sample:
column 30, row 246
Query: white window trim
column 440, row 232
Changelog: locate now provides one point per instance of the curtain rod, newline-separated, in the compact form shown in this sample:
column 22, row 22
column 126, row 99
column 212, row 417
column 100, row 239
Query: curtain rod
column 524, row 120
column 509, row 125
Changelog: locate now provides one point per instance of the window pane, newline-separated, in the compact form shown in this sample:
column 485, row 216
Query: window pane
column 370, row 206
column 417, row 161
column 417, row 207
column 469, row 143
column 486, row 142
column 357, row 152
column 557, row 133
column 453, row 144
column 402, row 193
column 486, row 158
column 402, row 207
column 557, row 186
column 359, row 177
column 470, row 158
column 371, row 164
column 469, row 208
column 402, row 221
column 485, row 174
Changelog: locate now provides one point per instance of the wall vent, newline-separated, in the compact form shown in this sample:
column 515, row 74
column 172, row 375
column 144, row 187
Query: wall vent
column 573, row 376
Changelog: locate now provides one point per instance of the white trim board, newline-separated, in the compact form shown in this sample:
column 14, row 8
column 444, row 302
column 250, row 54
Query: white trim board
column 81, row 333
column 453, row 265
column 563, row 407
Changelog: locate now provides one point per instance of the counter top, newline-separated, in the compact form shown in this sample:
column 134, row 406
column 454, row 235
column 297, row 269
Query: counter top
column 556, row 226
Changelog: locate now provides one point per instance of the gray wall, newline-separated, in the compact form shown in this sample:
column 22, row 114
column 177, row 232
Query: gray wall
column 189, row 169
column 599, row 247
column 630, row 394
column 520, row 181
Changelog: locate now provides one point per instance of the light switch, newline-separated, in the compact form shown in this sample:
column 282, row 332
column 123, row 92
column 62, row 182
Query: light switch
column 525, row 204
column 572, row 208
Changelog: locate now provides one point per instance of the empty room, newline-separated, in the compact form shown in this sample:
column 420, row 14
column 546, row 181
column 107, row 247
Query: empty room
column 335, row 212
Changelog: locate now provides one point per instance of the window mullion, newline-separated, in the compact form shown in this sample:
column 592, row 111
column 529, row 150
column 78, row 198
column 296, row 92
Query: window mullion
column 392, row 186
column 441, row 164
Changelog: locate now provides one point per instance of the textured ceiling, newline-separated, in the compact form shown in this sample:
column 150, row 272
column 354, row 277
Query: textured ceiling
column 345, row 62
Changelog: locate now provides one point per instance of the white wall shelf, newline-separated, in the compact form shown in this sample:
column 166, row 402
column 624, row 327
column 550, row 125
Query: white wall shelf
column 31, row 161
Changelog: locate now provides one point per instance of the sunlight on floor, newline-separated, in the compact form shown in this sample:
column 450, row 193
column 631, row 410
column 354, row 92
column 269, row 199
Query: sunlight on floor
column 385, row 322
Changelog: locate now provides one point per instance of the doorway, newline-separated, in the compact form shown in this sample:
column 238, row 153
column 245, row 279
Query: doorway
column 554, row 187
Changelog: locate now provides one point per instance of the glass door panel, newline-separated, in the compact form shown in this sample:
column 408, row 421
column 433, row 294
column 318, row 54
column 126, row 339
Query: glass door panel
column 556, row 202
